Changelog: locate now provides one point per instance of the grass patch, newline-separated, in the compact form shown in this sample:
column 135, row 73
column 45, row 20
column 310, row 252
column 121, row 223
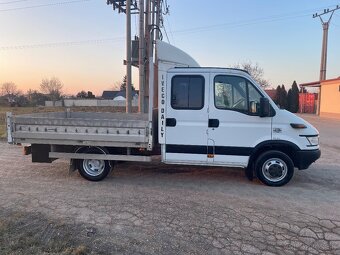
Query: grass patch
column 2, row 131
column 33, row 234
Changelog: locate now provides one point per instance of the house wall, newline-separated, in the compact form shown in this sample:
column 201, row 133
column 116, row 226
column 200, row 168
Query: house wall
column 330, row 98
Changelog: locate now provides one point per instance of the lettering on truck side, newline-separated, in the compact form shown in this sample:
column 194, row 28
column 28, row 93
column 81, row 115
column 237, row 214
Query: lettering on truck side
column 162, row 110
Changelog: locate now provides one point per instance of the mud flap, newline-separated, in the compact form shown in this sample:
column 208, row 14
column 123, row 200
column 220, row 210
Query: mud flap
column 73, row 166
column 249, row 172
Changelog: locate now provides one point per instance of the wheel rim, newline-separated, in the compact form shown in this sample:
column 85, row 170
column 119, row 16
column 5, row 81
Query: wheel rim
column 93, row 167
column 274, row 169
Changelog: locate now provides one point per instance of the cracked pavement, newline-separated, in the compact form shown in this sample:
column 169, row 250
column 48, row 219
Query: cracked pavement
column 158, row 209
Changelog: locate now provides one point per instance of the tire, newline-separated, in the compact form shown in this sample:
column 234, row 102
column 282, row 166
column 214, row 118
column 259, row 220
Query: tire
column 274, row 168
column 93, row 169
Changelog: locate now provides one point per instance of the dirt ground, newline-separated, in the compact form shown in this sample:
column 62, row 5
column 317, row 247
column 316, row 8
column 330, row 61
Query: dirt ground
column 156, row 209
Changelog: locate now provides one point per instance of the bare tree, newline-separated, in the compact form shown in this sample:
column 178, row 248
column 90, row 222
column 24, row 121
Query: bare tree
column 53, row 87
column 9, row 89
column 255, row 71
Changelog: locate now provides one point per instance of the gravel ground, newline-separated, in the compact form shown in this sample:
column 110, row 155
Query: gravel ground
column 157, row 209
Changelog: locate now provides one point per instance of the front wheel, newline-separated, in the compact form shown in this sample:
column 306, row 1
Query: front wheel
column 94, row 169
column 274, row 168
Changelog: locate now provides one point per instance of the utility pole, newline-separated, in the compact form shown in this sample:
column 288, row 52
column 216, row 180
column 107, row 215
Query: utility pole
column 151, row 73
column 125, row 6
column 141, row 107
column 325, row 26
column 150, row 18
column 323, row 66
column 147, row 43
column 128, row 57
column 158, row 13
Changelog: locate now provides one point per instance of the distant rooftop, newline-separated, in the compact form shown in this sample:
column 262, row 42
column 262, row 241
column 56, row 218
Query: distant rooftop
column 108, row 94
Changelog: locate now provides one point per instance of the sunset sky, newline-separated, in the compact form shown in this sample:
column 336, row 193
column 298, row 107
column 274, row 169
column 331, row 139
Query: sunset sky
column 83, row 42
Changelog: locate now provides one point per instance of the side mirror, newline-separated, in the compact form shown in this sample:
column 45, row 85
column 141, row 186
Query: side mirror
column 264, row 107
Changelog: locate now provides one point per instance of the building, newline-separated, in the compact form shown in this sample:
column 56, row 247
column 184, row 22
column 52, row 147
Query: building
column 271, row 93
column 329, row 100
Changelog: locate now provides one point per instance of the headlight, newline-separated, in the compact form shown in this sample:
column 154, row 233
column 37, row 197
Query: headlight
column 313, row 140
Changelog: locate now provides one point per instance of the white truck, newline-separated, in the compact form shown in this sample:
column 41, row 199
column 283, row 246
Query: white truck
column 205, row 116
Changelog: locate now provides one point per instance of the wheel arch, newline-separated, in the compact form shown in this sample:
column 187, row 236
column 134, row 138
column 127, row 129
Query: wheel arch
column 286, row 147
column 83, row 149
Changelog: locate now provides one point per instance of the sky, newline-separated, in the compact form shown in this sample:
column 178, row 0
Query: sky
column 82, row 42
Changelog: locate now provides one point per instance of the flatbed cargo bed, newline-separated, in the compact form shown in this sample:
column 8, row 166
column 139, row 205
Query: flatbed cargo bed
column 80, row 128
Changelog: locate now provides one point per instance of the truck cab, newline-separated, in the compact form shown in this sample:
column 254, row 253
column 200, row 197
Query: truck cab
column 222, row 117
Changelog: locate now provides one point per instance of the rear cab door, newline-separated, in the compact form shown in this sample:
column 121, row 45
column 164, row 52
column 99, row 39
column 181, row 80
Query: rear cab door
column 187, row 117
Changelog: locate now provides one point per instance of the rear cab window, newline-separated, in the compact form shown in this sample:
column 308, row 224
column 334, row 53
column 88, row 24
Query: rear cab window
column 187, row 92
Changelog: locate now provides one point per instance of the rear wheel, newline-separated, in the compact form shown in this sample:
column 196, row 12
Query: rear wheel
column 94, row 169
column 274, row 168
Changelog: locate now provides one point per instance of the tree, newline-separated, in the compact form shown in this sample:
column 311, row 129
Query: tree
column 52, row 87
column 9, row 89
column 283, row 102
column 22, row 100
column 90, row 95
column 83, row 94
column 278, row 95
column 295, row 98
column 36, row 98
column 123, row 85
column 290, row 101
column 281, row 97
column 255, row 71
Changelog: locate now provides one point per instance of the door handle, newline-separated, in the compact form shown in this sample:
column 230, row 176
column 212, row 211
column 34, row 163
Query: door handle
column 213, row 123
column 170, row 122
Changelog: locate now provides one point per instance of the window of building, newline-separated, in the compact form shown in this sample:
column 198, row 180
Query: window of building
column 187, row 92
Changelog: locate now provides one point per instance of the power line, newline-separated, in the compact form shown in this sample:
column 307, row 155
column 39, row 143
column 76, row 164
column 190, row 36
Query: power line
column 170, row 29
column 166, row 34
column 268, row 19
column 60, row 44
column 166, row 12
column 240, row 23
column 15, row 1
column 43, row 5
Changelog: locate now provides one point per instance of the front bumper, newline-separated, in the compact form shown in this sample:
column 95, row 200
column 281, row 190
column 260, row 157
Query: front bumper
column 303, row 159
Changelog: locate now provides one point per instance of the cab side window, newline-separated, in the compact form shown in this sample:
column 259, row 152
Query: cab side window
column 236, row 93
column 231, row 93
column 187, row 92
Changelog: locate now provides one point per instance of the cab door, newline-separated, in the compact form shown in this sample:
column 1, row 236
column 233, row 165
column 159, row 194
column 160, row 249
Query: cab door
column 234, row 128
column 187, row 118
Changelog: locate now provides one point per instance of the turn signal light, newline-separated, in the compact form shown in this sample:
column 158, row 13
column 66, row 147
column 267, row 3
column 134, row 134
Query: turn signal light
column 297, row 125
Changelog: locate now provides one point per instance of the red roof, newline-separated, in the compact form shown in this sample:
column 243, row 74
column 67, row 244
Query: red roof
column 271, row 93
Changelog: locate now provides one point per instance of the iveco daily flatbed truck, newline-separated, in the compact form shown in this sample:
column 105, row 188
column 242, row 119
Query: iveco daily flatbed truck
column 205, row 116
